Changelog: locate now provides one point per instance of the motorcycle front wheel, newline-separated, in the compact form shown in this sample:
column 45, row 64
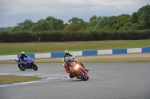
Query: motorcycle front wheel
column 34, row 67
column 71, row 75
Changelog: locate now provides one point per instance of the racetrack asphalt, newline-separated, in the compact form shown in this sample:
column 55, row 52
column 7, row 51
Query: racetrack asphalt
column 107, row 81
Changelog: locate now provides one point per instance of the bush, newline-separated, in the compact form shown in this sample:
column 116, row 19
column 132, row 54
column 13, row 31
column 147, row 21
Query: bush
column 58, row 36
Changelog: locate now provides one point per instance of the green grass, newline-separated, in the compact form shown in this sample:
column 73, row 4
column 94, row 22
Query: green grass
column 5, row 79
column 47, row 47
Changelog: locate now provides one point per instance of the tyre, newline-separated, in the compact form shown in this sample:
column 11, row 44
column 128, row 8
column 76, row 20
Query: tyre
column 21, row 67
column 87, row 78
column 71, row 75
column 34, row 67
column 82, row 76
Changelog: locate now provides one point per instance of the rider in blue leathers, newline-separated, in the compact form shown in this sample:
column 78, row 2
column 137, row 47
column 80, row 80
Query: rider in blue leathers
column 21, row 58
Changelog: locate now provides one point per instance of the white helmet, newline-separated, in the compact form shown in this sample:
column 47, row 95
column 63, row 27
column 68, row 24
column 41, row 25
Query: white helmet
column 66, row 51
column 22, row 53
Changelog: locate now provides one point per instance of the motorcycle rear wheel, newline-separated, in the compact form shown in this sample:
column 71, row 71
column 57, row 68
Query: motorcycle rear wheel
column 21, row 67
column 82, row 76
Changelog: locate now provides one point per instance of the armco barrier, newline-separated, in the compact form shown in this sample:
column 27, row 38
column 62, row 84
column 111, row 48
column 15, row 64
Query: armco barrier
column 80, row 53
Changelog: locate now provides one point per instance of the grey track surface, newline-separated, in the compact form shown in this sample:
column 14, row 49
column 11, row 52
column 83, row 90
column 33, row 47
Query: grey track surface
column 107, row 81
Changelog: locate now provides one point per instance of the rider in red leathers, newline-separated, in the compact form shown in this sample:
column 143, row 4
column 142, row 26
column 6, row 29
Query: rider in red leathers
column 68, row 61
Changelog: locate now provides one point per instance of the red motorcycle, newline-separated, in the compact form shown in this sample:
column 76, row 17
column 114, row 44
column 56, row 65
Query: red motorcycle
column 76, row 70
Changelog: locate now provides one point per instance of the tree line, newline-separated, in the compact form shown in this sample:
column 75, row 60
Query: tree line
column 139, row 20
column 121, row 27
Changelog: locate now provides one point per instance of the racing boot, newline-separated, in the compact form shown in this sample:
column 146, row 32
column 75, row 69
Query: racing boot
column 87, row 70
column 84, row 67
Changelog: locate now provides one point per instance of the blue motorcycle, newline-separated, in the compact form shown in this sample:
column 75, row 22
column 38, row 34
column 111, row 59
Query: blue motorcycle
column 28, row 64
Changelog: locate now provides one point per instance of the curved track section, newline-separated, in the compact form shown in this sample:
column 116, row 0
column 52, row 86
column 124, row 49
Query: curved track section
column 107, row 81
column 44, row 78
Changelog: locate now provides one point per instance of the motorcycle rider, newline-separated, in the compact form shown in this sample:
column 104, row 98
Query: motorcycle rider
column 67, row 61
column 67, row 54
column 21, row 58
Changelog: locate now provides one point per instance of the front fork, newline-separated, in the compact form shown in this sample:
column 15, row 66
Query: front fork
column 84, row 71
column 31, row 65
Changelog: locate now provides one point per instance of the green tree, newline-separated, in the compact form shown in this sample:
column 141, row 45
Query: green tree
column 103, row 23
column 43, row 25
column 123, row 19
column 92, row 22
column 135, row 26
column 94, row 19
column 107, row 23
column 72, row 27
column 57, row 23
column 134, row 18
column 15, row 29
column 48, row 24
column 144, row 17
column 75, row 20
column 25, row 25
column 127, row 26
column 112, row 21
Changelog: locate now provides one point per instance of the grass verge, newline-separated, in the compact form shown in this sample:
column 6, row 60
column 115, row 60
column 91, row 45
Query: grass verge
column 7, row 79
column 47, row 47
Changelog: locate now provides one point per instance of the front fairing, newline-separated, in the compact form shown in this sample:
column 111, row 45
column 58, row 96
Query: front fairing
column 72, row 67
column 75, row 68
column 29, row 60
column 17, row 60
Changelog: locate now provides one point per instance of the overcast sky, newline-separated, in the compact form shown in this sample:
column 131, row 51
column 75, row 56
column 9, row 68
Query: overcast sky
column 16, row 11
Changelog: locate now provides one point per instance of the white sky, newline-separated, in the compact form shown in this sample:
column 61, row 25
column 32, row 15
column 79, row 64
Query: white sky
column 16, row 11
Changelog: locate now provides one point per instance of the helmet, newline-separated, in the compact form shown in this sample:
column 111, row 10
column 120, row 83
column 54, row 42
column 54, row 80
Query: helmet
column 67, row 59
column 23, row 53
column 71, row 59
column 66, row 51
